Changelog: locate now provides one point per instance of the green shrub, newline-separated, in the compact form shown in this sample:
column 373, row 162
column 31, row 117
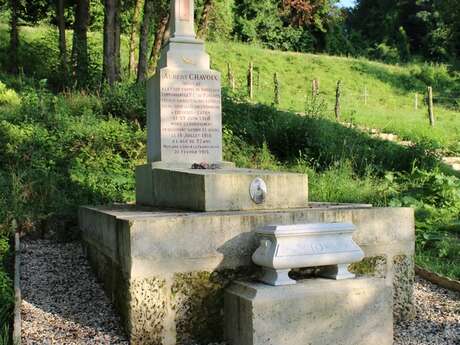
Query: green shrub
column 59, row 152
column 125, row 101
column 436, row 200
column 8, row 96
column 6, row 302
column 385, row 53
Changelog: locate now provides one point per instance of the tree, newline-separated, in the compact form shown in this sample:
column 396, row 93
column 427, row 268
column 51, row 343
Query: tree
column 14, row 36
column 203, row 25
column 80, row 43
column 144, row 40
column 111, row 61
column 62, row 40
column 133, row 36
column 163, row 16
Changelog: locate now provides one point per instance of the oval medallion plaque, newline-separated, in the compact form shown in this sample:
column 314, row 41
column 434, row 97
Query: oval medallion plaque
column 258, row 190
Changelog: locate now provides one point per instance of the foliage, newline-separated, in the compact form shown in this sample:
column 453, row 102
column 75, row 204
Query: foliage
column 286, row 25
column 436, row 200
column 385, row 53
column 391, row 90
column 288, row 134
column 424, row 27
column 126, row 101
column 60, row 151
column 221, row 19
column 6, row 288
column 8, row 96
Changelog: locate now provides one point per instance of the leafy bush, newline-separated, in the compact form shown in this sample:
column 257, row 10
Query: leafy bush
column 126, row 101
column 8, row 96
column 436, row 200
column 435, row 75
column 59, row 152
column 6, row 297
column 385, row 53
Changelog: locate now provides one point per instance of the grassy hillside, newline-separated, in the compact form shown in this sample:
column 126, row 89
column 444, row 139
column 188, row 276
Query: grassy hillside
column 391, row 89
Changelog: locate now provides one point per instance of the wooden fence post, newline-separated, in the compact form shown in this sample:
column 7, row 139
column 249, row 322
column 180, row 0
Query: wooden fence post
column 231, row 77
column 430, row 106
column 251, row 80
column 315, row 87
column 416, row 101
column 277, row 89
column 337, row 100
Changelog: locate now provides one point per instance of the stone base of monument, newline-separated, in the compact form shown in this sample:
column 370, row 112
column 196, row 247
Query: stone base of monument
column 315, row 312
column 166, row 271
column 221, row 189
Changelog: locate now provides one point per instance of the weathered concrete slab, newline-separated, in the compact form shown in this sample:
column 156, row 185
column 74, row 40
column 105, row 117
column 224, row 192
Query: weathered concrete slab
column 314, row 312
column 166, row 270
column 224, row 189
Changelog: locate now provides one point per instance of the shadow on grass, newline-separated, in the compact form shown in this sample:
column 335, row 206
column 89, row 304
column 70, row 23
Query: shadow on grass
column 320, row 140
column 445, row 87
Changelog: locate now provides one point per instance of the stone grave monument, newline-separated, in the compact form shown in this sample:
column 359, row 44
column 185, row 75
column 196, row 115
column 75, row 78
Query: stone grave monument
column 167, row 262
column 184, row 129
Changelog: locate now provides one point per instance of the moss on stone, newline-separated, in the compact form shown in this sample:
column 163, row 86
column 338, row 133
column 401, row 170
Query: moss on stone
column 198, row 300
column 372, row 266
column 403, row 287
column 147, row 311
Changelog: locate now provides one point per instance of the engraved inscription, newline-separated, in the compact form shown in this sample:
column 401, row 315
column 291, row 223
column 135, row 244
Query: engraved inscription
column 184, row 10
column 318, row 246
column 191, row 126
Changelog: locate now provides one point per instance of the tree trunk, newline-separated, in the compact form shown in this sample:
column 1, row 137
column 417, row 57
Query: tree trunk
column 80, row 42
column 117, row 38
column 159, row 39
column 133, row 37
column 203, row 26
column 62, row 41
column 14, row 38
column 111, row 61
column 144, row 39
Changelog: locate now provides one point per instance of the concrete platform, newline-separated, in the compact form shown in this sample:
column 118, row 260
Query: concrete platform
column 225, row 189
column 166, row 270
column 314, row 312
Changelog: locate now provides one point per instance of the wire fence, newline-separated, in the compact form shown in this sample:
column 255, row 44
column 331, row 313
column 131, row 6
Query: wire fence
column 271, row 90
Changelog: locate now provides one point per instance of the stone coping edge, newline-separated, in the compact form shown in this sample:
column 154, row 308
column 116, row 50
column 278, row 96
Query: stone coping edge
column 437, row 279
column 17, row 323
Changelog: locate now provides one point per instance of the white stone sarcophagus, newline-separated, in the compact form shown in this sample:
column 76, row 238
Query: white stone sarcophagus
column 284, row 247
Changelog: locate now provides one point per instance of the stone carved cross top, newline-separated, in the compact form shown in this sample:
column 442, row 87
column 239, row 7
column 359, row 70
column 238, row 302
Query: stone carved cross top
column 182, row 23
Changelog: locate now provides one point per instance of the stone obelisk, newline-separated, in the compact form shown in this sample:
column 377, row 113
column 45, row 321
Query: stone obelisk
column 184, row 129
column 184, row 112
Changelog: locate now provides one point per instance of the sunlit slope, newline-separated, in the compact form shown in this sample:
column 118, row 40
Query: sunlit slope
column 389, row 104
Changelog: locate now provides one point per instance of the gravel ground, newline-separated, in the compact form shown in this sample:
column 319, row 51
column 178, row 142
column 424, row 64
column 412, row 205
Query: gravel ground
column 437, row 320
column 63, row 303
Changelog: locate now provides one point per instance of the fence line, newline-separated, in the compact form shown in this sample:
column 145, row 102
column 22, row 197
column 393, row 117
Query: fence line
column 257, row 85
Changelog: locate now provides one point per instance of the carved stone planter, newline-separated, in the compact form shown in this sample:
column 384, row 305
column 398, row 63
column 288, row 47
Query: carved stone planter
column 284, row 247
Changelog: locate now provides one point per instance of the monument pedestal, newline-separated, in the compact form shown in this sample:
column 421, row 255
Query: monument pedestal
column 166, row 266
column 226, row 189
column 314, row 312
column 166, row 270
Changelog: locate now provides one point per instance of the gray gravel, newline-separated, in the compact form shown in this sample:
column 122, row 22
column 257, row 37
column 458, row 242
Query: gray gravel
column 437, row 318
column 63, row 303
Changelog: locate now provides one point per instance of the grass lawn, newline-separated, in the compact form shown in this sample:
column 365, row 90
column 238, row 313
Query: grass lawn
column 391, row 89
